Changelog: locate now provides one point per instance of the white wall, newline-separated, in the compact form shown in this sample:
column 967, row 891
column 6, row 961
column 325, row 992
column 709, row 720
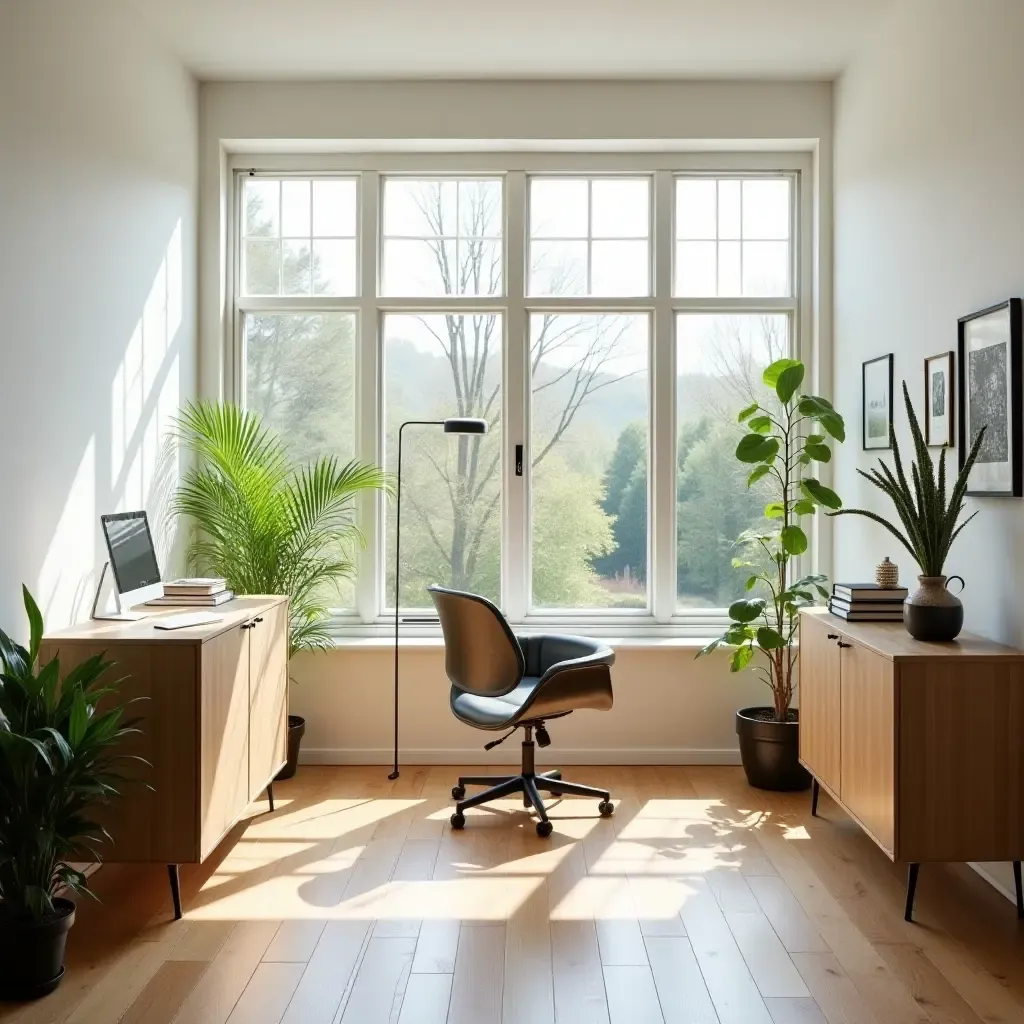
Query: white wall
column 668, row 707
column 929, row 226
column 98, row 191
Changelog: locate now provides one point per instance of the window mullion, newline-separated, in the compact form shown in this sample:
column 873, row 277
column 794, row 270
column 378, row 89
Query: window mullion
column 662, row 475
column 515, row 576
column 369, row 400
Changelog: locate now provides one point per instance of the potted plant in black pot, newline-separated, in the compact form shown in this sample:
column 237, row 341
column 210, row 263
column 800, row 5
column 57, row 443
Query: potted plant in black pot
column 269, row 526
column 786, row 435
column 930, row 525
column 57, row 759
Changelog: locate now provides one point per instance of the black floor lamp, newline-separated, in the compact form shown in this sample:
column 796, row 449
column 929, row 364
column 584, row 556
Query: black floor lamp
column 456, row 425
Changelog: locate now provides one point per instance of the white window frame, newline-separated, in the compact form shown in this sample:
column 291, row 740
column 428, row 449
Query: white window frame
column 661, row 618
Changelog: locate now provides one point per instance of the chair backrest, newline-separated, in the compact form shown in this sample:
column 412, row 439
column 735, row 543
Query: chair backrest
column 482, row 654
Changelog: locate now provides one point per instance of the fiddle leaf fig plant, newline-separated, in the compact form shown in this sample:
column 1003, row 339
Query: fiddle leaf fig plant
column 788, row 434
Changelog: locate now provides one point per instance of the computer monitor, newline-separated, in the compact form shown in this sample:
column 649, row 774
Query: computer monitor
column 132, row 559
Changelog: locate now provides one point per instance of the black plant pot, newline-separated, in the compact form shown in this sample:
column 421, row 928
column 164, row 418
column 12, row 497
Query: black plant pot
column 296, row 730
column 771, row 750
column 32, row 952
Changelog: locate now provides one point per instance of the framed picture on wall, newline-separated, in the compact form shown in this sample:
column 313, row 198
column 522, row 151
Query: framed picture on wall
column 938, row 401
column 876, row 378
column 989, row 378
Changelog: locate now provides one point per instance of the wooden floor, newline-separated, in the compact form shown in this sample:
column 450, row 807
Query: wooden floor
column 700, row 901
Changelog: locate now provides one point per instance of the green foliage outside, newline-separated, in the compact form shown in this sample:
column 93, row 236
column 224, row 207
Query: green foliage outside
column 57, row 759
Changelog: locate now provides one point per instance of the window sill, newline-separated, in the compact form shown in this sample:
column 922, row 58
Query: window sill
column 376, row 643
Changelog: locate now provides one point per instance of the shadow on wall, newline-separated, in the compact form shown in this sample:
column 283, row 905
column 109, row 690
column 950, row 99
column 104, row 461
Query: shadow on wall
column 135, row 462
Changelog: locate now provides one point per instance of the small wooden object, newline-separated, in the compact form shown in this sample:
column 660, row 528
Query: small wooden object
column 918, row 742
column 213, row 725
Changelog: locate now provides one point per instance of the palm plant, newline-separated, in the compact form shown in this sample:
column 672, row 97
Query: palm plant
column 56, row 761
column 264, row 524
column 929, row 520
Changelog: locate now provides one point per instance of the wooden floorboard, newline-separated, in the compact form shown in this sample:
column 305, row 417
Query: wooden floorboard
column 701, row 901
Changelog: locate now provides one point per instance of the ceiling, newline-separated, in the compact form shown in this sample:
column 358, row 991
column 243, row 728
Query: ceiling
column 256, row 39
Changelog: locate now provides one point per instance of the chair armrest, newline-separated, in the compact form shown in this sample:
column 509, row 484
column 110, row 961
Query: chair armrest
column 549, row 652
column 574, row 672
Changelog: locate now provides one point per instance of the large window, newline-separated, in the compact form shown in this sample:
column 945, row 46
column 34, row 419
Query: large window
column 557, row 302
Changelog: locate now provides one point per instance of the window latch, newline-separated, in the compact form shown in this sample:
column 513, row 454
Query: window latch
column 519, row 460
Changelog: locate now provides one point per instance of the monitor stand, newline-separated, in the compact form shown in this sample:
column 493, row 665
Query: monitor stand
column 116, row 616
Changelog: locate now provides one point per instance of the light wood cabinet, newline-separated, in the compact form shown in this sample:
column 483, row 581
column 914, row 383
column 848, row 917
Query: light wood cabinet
column 920, row 743
column 213, row 724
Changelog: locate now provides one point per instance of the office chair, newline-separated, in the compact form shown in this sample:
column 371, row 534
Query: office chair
column 500, row 681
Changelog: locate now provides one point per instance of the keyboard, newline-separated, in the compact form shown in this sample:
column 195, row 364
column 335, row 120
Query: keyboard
column 184, row 619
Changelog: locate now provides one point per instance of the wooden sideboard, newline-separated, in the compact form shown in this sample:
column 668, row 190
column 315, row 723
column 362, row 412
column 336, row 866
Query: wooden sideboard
column 921, row 743
column 213, row 726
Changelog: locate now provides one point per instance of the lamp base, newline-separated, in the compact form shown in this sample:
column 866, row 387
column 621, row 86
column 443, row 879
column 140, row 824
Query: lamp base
column 394, row 774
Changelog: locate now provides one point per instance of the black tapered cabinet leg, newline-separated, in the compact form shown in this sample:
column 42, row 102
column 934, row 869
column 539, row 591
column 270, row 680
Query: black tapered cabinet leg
column 270, row 796
column 815, row 790
column 1020, row 889
column 172, row 874
column 912, row 870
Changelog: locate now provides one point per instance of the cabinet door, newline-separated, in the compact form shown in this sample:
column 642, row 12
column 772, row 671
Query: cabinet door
column 224, row 711
column 819, row 702
column 868, row 771
column 268, row 696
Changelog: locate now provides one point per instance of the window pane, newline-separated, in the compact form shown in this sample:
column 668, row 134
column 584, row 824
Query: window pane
column 588, row 451
column 558, row 268
column 436, row 366
column 280, row 220
column 334, row 209
column 720, row 359
column 620, row 208
column 558, row 208
column 442, row 237
column 300, row 377
column 619, row 268
column 733, row 237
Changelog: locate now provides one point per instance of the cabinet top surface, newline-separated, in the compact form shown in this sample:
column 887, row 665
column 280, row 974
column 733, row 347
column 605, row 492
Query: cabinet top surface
column 143, row 631
column 891, row 640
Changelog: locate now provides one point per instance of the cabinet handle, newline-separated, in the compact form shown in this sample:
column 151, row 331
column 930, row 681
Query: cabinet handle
column 833, row 636
column 259, row 618
column 841, row 644
column 245, row 625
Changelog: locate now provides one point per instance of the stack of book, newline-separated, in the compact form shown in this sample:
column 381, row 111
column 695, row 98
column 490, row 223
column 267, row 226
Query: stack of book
column 867, row 602
column 201, row 591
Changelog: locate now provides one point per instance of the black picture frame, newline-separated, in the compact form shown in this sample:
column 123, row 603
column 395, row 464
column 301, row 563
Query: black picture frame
column 947, row 360
column 995, row 483
column 876, row 445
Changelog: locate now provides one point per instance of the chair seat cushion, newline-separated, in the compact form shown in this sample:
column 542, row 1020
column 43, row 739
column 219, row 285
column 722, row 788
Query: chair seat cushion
column 492, row 712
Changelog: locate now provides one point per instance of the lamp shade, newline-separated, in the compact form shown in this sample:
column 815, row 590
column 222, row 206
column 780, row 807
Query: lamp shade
column 465, row 425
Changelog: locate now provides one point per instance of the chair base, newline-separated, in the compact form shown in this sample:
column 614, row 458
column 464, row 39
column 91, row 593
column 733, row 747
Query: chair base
column 527, row 782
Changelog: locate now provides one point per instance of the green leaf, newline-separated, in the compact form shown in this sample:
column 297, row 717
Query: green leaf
column 774, row 510
column 757, row 473
column 820, row 494
column 761, row 424
column 814, row 406
column 804, row 507
column 794, row 540
column 751, row 583
column 815, row 438
column 757, row 448
column 819, row 452
column 833, row 423
column 746, row 610
column 714, row 645
column 35, row 622
column 741, row 658
column 789, row 382
column 747, row 412
column 79, row 721
column 770, row 639
column 773, row 372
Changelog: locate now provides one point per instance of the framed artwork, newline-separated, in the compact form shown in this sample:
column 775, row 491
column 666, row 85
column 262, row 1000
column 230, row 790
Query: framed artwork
column 876, row 400
column 989, row 379
column 938, row 401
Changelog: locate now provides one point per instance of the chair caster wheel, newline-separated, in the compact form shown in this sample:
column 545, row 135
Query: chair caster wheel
column 458, row 792
column 544, row 829
column 607, row 808
column 458, row 820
